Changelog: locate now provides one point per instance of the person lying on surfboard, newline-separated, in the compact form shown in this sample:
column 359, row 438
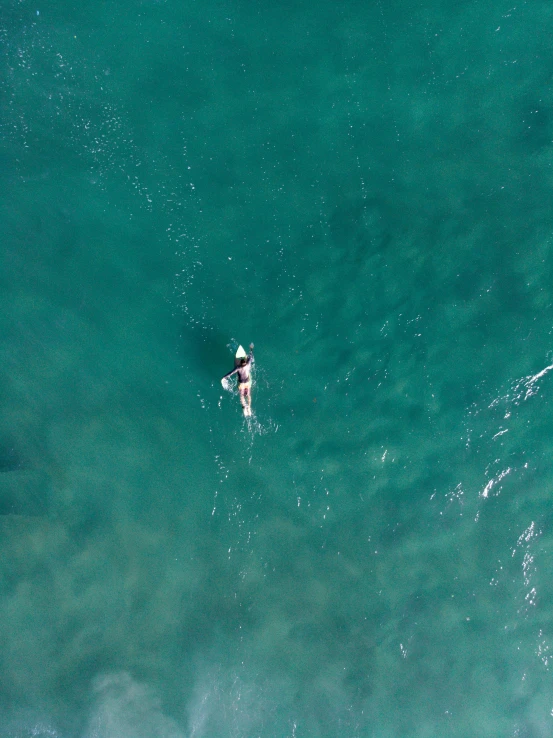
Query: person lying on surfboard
column 243, row 367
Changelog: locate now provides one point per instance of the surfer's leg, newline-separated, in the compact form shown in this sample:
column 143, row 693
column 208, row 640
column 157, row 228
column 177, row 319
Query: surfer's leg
column 243, row 397
column 246, row 400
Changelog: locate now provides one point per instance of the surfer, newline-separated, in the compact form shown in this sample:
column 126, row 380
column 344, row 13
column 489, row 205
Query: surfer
column 243, row 367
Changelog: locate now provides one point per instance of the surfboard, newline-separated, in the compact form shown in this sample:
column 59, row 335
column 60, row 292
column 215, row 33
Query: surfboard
column 240, row 354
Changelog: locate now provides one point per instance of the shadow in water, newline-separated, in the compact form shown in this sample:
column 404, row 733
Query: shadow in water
column 10, row 460
column 24, row 492
column 206, row 350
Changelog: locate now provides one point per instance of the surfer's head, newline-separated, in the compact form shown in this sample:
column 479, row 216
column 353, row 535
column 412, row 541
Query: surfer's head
column 243, row 361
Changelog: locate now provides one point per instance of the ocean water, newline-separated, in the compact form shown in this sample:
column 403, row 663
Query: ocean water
column 364, row 191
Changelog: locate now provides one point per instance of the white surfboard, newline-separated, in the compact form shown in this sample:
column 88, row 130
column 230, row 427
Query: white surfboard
column 240, row 354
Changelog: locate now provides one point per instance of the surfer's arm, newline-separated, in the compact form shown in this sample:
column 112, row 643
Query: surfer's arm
column 229, row 374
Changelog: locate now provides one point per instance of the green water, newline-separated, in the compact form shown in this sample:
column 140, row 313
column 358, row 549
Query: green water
column 364, row 191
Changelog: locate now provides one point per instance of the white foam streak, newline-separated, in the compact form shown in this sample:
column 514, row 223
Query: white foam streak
column 521, row 390
column 531, row 381
column 495, row 481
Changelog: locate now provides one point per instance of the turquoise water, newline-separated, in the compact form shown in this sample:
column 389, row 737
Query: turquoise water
column 364, row 191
